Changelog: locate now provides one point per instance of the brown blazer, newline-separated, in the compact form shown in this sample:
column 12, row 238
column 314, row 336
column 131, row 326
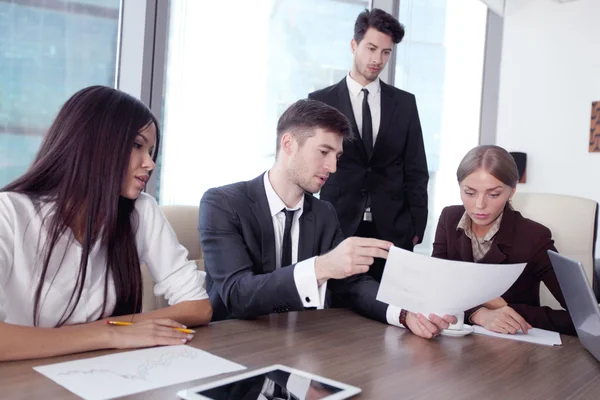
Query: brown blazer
column 519, row 240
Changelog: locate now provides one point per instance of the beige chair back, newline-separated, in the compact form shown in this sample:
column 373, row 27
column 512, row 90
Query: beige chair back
column 572, row 221
column 184, row 221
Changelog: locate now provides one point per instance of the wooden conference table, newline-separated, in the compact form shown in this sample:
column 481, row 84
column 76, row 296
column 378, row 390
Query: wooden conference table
column 385, row 361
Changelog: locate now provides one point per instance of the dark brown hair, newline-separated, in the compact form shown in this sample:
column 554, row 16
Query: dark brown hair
column 493, row 159
column 304, row 116
column 379, row 20
column 80, row 168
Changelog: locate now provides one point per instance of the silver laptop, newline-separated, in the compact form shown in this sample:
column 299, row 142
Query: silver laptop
column 581, row 302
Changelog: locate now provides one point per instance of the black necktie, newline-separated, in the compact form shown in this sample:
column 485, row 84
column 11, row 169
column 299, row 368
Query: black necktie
column 286, row 246
column 367, row 124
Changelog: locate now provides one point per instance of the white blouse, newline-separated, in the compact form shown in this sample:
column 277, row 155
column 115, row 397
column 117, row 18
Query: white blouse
column 22, row 239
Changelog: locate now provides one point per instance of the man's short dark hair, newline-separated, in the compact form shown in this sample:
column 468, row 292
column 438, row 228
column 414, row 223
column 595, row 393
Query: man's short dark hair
column 304, row 116
column 380, row 20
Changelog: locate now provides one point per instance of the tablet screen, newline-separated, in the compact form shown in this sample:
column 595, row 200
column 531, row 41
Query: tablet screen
column 276, row 384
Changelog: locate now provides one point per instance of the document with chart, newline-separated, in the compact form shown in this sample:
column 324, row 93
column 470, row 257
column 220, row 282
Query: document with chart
column 427, row 285
column 121, row 374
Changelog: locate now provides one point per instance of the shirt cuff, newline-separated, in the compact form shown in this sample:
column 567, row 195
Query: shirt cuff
column 393, row 316
column 311, row 294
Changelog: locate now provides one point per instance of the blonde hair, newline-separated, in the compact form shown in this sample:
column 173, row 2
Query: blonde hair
column 494, row 160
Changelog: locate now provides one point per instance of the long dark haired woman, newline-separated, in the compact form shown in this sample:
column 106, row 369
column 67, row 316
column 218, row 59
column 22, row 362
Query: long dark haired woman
column 74, row 230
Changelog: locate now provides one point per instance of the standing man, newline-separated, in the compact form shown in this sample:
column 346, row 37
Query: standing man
column 270, row 246
column 380, row 188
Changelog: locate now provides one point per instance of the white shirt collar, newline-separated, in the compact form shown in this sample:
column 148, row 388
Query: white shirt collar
column 354, row 87
column 275, row 202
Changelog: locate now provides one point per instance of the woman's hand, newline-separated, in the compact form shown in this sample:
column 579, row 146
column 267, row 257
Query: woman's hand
column 147, row 333
column 498, row 302
column 501, row 320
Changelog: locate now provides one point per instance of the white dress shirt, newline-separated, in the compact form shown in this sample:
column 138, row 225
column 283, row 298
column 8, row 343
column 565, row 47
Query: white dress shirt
column 23, row 236
column 374, row 100
column 304, row 272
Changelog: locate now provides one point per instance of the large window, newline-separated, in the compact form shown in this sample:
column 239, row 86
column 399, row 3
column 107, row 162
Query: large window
column 229, row 79
column 48, row 51
column 441, row 62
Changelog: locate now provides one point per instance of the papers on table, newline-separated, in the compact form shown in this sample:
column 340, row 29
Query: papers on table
column 116, row 375
column 535, row 335
column 431, row 285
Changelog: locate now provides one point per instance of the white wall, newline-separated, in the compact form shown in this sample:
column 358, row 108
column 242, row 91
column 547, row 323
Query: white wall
column 549, row 76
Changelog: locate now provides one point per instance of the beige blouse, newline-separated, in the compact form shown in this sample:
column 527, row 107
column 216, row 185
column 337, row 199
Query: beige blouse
column 480, row 245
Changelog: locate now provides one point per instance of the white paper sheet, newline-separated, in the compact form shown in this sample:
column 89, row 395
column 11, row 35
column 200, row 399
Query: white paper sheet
column 116, row 375
column 535, row 335
column 425, row 284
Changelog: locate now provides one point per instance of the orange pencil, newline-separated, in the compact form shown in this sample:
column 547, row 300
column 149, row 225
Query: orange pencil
column 119, row 323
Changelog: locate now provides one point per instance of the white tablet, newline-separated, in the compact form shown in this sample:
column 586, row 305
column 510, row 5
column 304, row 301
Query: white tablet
column 273, row 382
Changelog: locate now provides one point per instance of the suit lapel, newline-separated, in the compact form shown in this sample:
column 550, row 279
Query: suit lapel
column 503, row 240
column 345, row 106
column 388, row 105
column 463, row 247
column 260, row 208
column 494, row 255
column 465, row 251
column 306, row 242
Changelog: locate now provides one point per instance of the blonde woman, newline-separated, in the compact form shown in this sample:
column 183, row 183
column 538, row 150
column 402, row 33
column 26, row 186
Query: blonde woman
column 486, row 229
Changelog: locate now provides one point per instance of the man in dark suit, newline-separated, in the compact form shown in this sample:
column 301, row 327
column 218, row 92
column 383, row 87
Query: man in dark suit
column 270, row 246
column 380, row 189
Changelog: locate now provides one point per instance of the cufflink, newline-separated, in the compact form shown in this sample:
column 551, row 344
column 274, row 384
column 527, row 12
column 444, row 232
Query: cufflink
column 307, row 299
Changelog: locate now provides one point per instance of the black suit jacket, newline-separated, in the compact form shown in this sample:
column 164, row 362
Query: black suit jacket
column 519, row 240
column 395, row 176
column 238, row 241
